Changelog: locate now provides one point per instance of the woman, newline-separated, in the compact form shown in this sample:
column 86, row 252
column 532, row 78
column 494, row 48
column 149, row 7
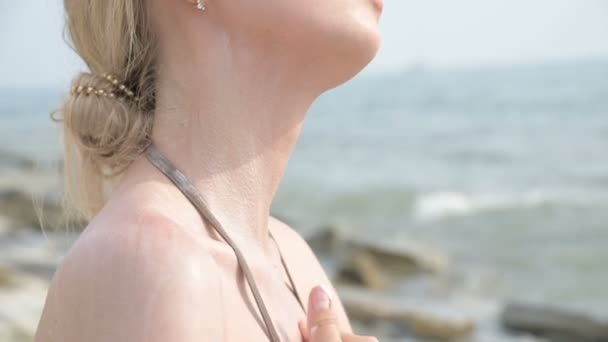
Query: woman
column 175, row 143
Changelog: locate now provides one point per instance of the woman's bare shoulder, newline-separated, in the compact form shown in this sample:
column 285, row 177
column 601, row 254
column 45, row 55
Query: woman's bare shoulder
column 135, row 280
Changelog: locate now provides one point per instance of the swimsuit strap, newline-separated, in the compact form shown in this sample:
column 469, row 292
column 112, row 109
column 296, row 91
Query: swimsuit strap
column 190, row 191
column 293, row 288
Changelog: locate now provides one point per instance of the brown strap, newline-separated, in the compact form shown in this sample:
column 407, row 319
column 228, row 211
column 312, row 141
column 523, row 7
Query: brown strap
column 294, row 289
column 190, row 191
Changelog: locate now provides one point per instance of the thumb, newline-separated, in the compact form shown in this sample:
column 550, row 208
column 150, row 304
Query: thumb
column 322, row 321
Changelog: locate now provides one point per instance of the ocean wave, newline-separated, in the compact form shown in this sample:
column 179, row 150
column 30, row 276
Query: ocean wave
column 398, row 204
column 437, row 205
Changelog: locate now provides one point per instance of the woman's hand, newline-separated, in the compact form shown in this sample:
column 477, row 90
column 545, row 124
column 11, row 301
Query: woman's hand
column 322, row 322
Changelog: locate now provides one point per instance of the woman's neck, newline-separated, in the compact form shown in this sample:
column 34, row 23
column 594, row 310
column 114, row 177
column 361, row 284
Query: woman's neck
column 230, row 125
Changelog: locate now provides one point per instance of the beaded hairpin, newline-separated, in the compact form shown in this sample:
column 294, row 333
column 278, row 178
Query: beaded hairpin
column 117, row 89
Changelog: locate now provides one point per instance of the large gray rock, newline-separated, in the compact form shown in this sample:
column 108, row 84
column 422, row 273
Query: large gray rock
column 376, row 265
column 27, row 209
column 24, row 190
column 416, row 318
column 10, row 160
column 554, row 324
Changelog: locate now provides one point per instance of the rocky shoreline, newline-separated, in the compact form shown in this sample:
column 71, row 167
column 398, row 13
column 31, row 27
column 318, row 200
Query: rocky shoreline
column 396, row 292
column 368, row 273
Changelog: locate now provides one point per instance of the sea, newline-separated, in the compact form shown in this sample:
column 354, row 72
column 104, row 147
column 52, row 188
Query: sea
column 503, row 169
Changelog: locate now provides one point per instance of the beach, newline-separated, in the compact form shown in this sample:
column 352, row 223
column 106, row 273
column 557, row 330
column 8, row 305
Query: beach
column 478, row 193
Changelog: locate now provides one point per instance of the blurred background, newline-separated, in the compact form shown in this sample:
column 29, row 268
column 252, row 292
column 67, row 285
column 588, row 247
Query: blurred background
column 455, row 190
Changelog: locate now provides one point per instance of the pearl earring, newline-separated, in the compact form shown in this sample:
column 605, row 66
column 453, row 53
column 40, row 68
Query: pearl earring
column 200, row 5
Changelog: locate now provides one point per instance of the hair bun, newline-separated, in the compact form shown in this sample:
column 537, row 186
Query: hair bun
column 108, row 133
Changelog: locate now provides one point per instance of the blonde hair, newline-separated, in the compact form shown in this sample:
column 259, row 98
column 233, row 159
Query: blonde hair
column 102, row 135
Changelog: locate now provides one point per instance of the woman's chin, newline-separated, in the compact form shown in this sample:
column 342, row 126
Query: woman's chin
column 352, row 54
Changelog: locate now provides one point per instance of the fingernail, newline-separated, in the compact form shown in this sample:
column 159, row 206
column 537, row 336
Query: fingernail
column 321, row 298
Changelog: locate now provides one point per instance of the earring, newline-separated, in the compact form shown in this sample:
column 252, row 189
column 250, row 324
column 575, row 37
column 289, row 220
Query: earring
column 200, row 5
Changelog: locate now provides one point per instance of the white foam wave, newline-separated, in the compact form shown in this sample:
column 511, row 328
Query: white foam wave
column 437, row 205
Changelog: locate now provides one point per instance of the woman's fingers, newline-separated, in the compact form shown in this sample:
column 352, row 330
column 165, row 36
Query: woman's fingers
column 322, row 324
column 354, row 338
column 322, row 320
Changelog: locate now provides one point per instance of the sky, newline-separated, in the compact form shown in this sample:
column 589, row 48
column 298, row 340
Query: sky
column 436, row 33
